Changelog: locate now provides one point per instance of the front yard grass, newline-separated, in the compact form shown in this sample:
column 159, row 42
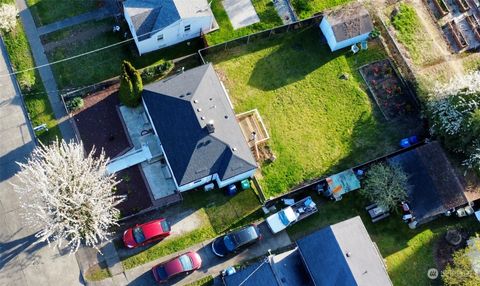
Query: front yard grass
column 265, row 11
column 48, row 11
column 408, row 253
column 318, row 123
column 34, row 94
column 221, row 214
column 307, row 8
column 104, row 64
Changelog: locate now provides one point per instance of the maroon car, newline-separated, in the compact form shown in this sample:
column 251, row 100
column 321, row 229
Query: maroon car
column 146, row 233
column 184, row 263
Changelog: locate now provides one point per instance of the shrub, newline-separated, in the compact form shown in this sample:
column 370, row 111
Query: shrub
column 157, row 71
column 460, row 272
column 131, row 85
column 75, row 103
column 8, row 17
column 385, row 185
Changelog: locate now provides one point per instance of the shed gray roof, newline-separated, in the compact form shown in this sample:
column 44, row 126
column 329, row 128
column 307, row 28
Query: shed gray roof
column 349, row 22
column 325, row 255
column 180, row 107
column 150, row 16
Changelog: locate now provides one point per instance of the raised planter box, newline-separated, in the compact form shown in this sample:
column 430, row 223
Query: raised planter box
column 457, row 35
column 473, row 22
column 463, row 5
column 442, row 7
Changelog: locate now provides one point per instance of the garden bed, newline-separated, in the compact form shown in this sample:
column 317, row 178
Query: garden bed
column 388, row 90
column 99, row 125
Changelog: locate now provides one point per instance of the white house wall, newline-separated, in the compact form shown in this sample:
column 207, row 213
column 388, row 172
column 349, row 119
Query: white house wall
column 235, row 179
column 175, row 33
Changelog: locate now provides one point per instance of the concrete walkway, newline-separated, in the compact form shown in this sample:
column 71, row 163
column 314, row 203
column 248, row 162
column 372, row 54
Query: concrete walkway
column 46, row 74
column 96, row 15
column 23, row 261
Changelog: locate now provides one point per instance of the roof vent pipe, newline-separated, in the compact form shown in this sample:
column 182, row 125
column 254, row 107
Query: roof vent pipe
column 210, row 127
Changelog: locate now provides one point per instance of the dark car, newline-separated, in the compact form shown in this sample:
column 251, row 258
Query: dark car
column 236, row 240
column 185, row 263
column 146, row 233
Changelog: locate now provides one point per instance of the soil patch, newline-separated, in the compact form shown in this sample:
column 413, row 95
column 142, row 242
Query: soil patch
column 443, row 250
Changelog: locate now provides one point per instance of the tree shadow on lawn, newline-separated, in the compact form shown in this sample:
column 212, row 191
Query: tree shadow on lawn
column 291, row 61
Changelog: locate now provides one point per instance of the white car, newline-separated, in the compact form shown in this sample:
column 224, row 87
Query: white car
column 279, row 221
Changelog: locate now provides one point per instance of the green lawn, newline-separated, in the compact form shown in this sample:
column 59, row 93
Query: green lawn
column 318, row 123
column 414, row 37
column 105, row 64
column 36, row 100
column 408, row 253
column 221, row 213
column 48, row 11
column 265, row 11
column 307, row 8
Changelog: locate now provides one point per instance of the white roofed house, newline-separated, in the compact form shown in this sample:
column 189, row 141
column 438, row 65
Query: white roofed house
column 157, row 24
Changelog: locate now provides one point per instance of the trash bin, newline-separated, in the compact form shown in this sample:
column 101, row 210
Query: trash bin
column 245, row 184
column 231, row 190
column 404, row 143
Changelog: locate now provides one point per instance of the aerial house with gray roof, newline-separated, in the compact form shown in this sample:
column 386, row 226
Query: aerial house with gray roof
column 157, row 24
column 346, row 26
column 199, row 134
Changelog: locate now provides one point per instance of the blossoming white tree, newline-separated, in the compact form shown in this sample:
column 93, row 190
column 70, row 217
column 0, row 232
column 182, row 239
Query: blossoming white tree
column 68, row 194
column 8, row 17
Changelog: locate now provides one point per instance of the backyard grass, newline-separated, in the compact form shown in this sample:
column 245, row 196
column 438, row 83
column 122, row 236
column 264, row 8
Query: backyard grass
column 48, row 11
column 318, row 123
column 205, row 281
column 265, row 11
column 408, row 253
column 35, row 97
column 307, row 8
column 413, row 36
column 105, row 64
column 221, row 214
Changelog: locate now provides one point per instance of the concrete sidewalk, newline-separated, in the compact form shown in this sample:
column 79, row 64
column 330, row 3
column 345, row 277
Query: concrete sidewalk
column 96, row 15
column 46, row 74
column 23, row 261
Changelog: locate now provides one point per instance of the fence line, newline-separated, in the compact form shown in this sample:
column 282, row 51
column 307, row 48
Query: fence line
column 265, row 34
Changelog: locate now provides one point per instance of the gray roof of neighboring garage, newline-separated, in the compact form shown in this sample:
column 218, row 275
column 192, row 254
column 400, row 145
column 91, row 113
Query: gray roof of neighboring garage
column 181, row 106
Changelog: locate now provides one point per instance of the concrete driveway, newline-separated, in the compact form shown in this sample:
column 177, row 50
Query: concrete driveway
column 211, row 264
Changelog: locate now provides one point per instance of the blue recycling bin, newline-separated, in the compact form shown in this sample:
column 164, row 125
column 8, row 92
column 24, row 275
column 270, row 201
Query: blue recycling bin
column 231, row 190
column 404, row 143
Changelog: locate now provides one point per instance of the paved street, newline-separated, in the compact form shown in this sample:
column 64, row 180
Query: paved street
column 22, row 260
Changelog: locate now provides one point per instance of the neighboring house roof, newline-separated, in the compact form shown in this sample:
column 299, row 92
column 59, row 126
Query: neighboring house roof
column 150, row 16
column 349, row 22
column 434, row 187
column 343, row 254
column 321, row 259
column 180, row 107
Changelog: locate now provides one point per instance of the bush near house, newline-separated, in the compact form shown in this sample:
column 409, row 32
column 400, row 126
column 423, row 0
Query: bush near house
column 460, row 271
column 156, row 71
column 131, row 85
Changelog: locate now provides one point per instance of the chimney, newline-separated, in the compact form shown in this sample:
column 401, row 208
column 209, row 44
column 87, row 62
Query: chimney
column 210, row 127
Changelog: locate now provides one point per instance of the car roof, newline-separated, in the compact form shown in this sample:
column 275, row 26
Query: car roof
column 152, row 228
column 245, row 235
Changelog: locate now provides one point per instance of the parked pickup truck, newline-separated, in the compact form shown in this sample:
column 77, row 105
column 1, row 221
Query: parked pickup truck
column 291, row 214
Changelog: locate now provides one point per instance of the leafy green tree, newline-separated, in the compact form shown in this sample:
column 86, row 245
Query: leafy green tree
column 131, row 85
column 385, row 185
column 460, row 272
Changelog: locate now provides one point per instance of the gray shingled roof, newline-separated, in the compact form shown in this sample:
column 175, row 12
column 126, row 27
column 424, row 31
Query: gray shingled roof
column 325, row 255
column 349, row 21
column 151, row 15
column 180, row 107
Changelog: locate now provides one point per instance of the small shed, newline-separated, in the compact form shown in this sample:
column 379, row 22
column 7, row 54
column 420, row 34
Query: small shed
column 346, row 26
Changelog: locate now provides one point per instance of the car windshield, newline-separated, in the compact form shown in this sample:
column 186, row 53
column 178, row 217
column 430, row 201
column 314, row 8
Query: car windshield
column 186, row 262
column 138, row 235
column 162, row 273
column 229, row 242
column 165, row 226
column 283, row 218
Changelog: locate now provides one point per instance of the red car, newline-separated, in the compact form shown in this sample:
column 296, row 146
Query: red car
column 184, row 263
column 146, row 233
